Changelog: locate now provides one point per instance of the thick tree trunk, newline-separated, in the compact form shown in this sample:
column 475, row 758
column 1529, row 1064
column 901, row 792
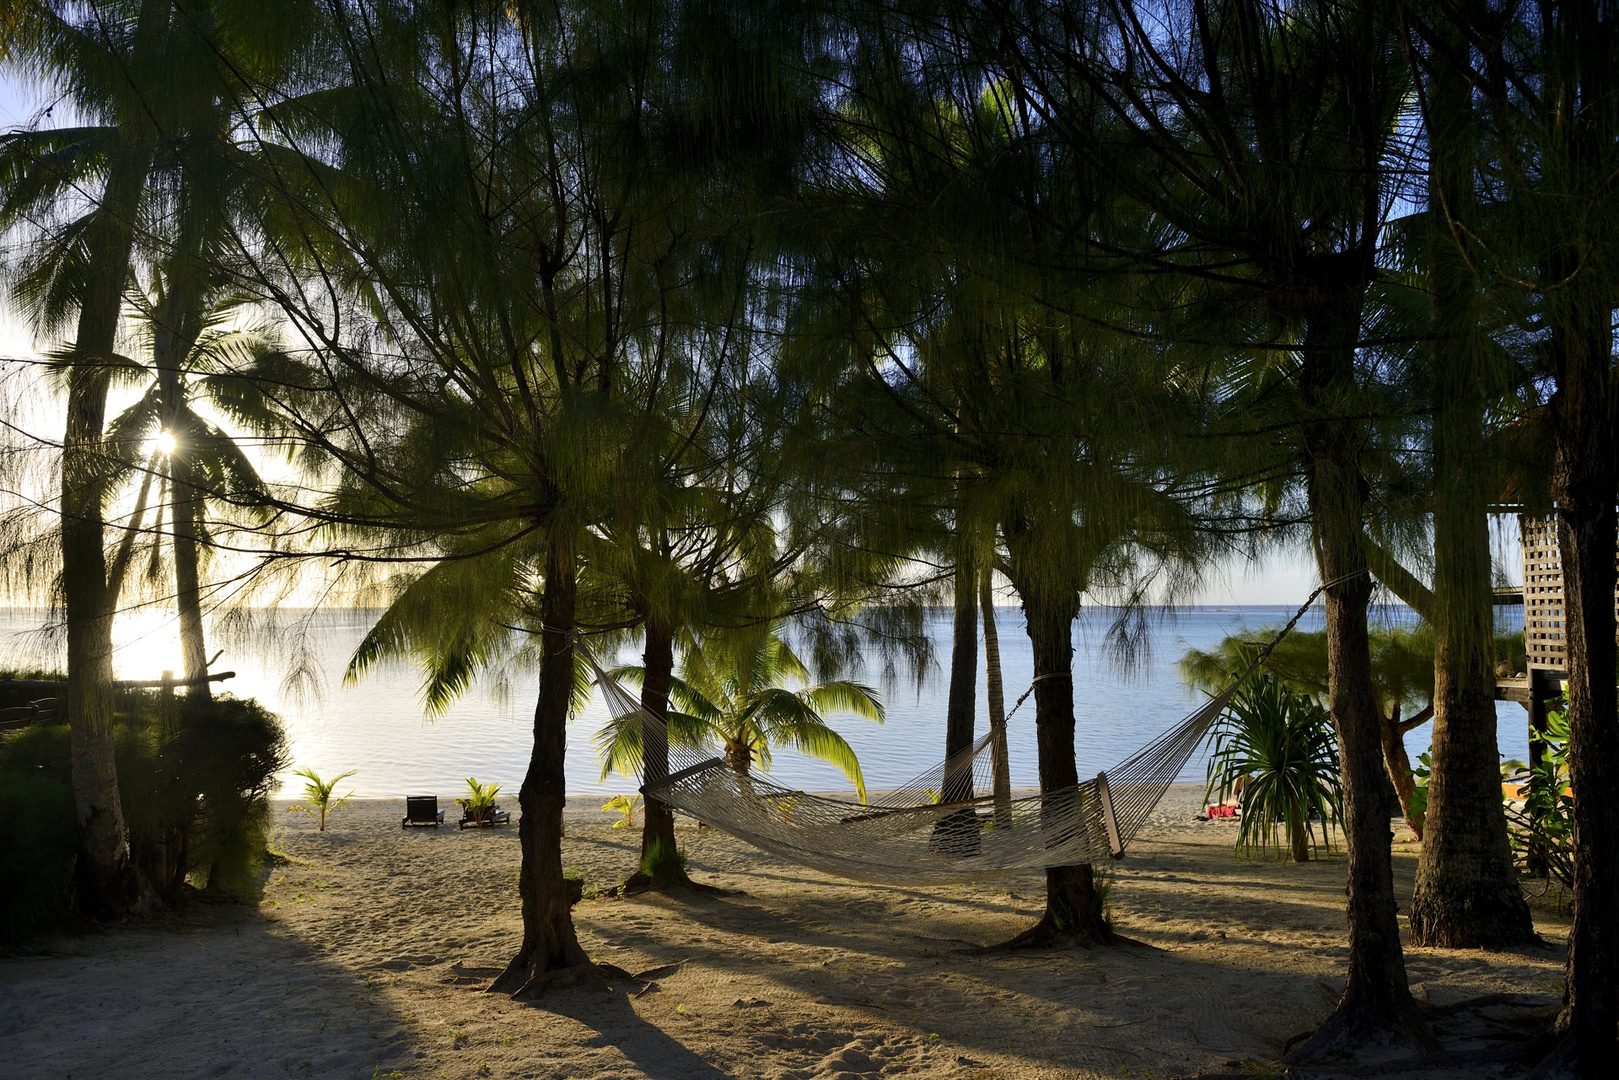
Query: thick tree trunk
column 1073, row 903
column 1376, row 1002
column 549, row 941
column 108, row 883
column 660, row 867
column 1583, row 483
column 1002, row 788
column 1467, row 893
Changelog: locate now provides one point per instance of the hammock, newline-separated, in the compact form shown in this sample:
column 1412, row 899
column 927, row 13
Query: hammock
column 912, row 835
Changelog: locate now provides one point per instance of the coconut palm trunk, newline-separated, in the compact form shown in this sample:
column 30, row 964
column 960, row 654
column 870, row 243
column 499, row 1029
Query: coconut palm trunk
column 997, row 702
column 173, row 338
column 1398, row 762
column 549, row 940
column 108, row 883
column 1467, row 891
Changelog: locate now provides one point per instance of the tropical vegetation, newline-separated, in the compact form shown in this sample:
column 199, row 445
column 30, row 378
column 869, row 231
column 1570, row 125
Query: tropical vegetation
column 321, row 798
column 707, row 326
column 735, row 694
column 1275, row 750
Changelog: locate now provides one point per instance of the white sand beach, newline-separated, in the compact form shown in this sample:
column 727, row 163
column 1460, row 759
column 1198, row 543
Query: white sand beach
column 372, row 948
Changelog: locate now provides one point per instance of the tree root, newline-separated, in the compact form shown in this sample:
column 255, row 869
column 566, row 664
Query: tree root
column 1046, row 934
column 641, row 882
column 1357, row 1020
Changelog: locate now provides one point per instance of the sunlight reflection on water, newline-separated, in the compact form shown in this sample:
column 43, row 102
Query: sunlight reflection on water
column 377, row 728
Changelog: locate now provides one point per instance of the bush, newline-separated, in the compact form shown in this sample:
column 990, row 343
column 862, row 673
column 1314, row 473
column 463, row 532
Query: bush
column 195, row 782
column 38, row 845
column 1542, row 829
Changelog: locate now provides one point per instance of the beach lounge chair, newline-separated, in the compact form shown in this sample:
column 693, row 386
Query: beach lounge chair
column 422, row 810
column 493, row 817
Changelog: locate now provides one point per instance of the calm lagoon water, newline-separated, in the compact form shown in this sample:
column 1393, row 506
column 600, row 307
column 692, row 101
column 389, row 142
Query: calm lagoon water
column 377, row 727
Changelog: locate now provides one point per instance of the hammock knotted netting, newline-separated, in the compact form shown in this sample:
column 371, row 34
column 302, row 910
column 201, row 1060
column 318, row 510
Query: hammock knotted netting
column 934, row 829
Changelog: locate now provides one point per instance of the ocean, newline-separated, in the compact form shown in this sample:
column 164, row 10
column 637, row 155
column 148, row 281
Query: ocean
column 377, row 728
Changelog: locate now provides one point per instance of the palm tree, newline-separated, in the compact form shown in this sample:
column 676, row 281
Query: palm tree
column 732, row 690
column 200, row 463
column 111, row 61
column 155, row 85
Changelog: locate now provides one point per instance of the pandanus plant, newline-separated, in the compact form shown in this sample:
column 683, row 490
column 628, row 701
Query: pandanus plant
column 1276, row 750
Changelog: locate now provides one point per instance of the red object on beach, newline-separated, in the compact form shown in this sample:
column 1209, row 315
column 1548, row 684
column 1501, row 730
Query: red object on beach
column 1223, row 810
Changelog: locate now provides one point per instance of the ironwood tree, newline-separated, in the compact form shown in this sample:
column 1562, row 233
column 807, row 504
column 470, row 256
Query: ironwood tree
column 1262, row 143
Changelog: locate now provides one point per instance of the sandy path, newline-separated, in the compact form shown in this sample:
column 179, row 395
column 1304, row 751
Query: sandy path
column 370, row 951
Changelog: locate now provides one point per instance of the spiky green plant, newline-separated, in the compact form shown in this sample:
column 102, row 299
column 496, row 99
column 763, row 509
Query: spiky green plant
column 479, row 801
column 1277, row 752
column 318, row 795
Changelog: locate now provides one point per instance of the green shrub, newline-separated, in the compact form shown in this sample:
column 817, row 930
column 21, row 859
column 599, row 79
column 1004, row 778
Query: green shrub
column 38, row 846
column 194, row 780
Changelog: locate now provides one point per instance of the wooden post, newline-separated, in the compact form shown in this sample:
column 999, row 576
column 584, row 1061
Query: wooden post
column 1539, row 695
column 167, row 718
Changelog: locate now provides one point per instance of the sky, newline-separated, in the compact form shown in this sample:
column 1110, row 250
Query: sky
column 1281, row 578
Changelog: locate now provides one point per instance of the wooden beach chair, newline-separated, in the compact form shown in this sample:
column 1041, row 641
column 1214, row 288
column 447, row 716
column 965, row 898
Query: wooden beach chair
column 422, row 810
column 494, row 817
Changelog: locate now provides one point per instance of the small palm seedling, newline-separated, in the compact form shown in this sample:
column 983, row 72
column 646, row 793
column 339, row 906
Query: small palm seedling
column 318, row 795
column 479, row 801
column 627, row 806
column 1278, row 749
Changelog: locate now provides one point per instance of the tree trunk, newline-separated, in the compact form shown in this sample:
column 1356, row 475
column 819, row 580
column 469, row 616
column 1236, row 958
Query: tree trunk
column 1467, row 893
column 1398, row 764
column 958, row 834
column 549, row 941
column 108, row 883
column 660, row 867
column 1376, row 1002
column 962, row 704
column 174, row 333
column 1298, row 835
column 1073, row 903
column 187, row 512
column 997, row 702
column 1583, row 483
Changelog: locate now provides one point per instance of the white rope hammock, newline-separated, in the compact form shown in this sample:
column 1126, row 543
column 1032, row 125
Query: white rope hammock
column 907, row 836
